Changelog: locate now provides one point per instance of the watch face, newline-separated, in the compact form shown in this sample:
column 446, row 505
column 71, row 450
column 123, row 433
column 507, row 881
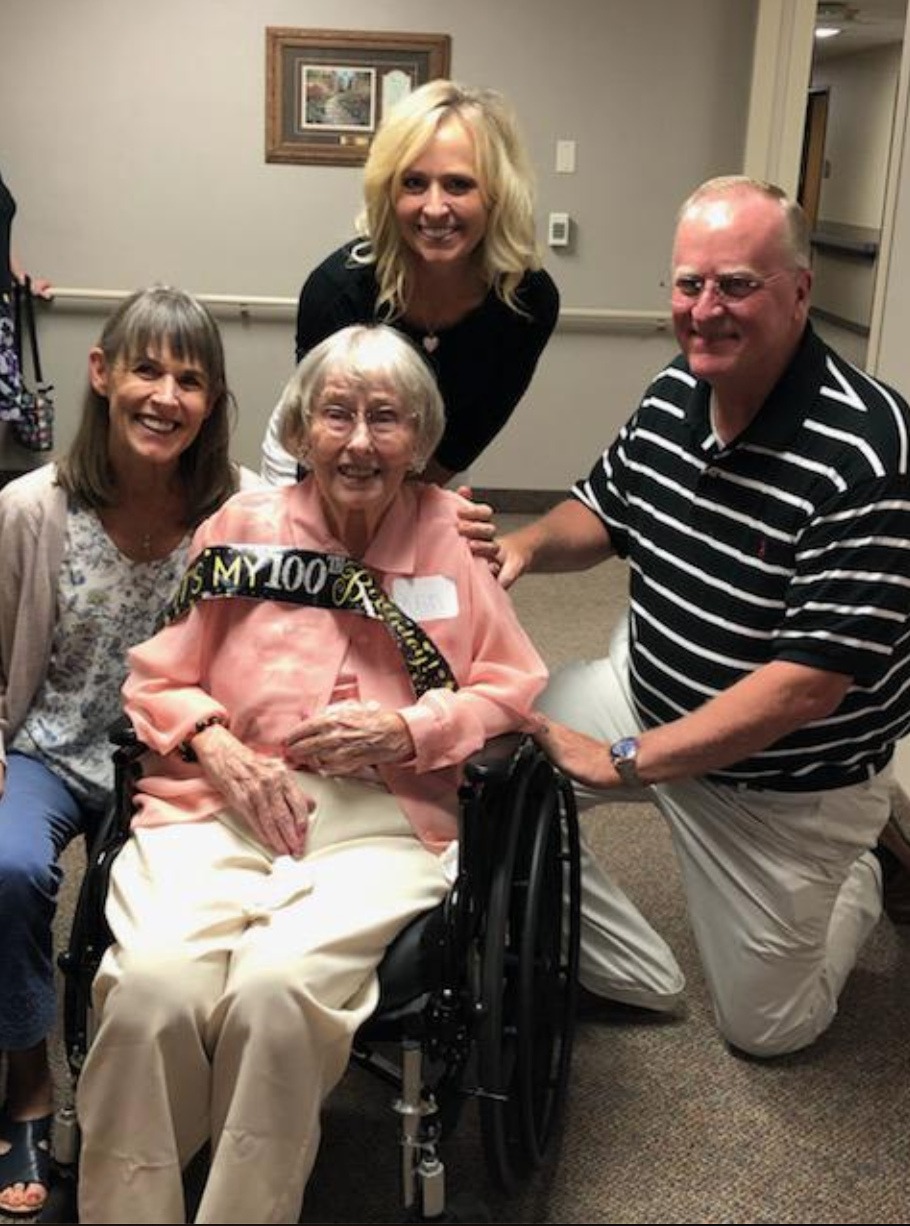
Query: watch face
column 626, row 748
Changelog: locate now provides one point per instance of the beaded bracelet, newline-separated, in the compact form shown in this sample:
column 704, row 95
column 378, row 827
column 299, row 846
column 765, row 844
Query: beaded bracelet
column 185, row 748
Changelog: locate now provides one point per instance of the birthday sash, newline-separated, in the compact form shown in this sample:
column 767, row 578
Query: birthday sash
column 319, row 581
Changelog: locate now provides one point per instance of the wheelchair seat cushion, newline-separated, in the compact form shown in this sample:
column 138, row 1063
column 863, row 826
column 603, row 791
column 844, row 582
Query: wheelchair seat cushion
column 412, row 965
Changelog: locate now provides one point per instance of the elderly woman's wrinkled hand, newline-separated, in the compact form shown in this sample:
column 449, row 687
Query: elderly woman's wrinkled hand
column 347, row 737
column 261, row 789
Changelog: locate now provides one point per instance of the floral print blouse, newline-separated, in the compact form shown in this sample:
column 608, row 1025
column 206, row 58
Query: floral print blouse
column 106, row 604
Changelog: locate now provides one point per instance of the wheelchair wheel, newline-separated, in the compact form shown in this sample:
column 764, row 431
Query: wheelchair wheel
column 529, row 976
column 88, row 940
column 89, row 935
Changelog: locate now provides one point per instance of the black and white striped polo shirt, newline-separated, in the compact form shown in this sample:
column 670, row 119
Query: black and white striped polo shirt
column 793, row 543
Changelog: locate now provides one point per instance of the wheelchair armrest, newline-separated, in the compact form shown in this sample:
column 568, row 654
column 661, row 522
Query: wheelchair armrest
column 122, row 733
column 496, row 761
column 127, row 746
column 488, row 788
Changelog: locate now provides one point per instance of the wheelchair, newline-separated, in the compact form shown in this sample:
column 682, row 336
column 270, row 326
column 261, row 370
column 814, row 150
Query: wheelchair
column 477, row 996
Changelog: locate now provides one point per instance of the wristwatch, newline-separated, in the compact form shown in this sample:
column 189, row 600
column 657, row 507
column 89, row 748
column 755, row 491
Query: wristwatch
column 623, row 755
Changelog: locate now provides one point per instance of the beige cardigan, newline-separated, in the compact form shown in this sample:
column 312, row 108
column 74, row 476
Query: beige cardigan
column 32, row 539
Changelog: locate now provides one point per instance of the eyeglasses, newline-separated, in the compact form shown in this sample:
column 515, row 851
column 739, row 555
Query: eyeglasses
column 727, row 287
column 383, row 423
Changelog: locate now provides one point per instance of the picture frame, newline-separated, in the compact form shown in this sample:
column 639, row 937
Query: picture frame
column 327, row 90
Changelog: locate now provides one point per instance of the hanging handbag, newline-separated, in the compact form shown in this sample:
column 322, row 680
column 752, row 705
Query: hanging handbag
column 10, row 372
column 34, row 428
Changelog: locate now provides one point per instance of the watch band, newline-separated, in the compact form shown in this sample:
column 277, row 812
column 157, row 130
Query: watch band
column 624, row 757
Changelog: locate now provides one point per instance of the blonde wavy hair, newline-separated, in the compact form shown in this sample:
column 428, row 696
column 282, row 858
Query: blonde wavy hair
column 509, row 247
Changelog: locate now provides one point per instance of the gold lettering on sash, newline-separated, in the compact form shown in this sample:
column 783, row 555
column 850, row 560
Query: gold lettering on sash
column 228, row 575
column 299, row 577
column 350, row 589
column 197, row 579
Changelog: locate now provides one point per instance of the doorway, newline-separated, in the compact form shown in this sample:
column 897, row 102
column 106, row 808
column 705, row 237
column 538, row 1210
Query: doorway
column 844, row 167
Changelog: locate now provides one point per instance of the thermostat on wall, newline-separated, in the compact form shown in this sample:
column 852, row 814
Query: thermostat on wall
column 558, row 231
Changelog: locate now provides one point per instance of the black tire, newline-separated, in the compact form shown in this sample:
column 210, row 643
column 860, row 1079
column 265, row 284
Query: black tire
column 529, row 976
column 547, row 980
column 89, row 935
column 89, row 938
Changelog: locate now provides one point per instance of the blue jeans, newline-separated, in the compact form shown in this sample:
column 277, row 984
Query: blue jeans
column 38, row 817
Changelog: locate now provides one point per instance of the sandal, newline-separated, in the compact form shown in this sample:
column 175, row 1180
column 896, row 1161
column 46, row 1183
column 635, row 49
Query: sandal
column 27, row 1160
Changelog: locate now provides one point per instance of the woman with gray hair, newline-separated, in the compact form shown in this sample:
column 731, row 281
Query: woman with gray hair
column 334, row 653
column 90, row 546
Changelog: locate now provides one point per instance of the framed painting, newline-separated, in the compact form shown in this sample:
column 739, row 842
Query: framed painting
column 327, row 90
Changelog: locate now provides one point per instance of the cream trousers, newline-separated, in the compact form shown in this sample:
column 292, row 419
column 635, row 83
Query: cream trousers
column 782, row 889
column 229, row 1001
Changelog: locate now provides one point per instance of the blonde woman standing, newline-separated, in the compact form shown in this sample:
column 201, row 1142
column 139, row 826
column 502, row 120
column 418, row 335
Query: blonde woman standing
column 448, row 256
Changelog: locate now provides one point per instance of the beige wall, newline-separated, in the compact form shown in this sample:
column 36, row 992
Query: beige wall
column 780, row 80
column 889, row 351
column 888, row 348
column 133, row 138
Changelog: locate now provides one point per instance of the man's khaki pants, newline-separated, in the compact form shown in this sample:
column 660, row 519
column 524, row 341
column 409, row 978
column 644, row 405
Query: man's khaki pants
column 782, row 889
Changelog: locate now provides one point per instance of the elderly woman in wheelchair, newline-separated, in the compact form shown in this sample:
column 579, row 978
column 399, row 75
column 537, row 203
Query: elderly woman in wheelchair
column 332, row 655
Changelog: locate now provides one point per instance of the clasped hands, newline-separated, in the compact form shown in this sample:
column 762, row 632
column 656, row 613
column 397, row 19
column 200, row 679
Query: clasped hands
column 344, row 739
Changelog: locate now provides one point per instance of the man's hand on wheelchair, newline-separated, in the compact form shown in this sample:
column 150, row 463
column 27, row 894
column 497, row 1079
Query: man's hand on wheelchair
column 577, row 755
column 348, row 737
column 261, row 789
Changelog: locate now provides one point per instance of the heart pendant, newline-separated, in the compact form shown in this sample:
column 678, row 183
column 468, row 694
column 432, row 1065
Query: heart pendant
column 430, row 343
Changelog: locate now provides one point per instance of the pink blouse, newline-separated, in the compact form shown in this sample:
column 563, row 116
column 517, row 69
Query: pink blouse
column 264, row 665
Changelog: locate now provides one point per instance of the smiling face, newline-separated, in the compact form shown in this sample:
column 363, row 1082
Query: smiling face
column 440, row 207
column 361, row 444
column 157, row 404
column 741, row 346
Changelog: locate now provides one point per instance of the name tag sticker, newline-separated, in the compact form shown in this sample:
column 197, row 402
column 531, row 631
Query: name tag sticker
column 426, row 597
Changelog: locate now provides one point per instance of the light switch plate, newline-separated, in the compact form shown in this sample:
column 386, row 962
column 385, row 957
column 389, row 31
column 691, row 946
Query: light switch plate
column 565, row 157
column 558, row 229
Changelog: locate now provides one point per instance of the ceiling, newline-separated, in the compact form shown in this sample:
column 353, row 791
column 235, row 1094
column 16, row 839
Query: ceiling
column 865, row 24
